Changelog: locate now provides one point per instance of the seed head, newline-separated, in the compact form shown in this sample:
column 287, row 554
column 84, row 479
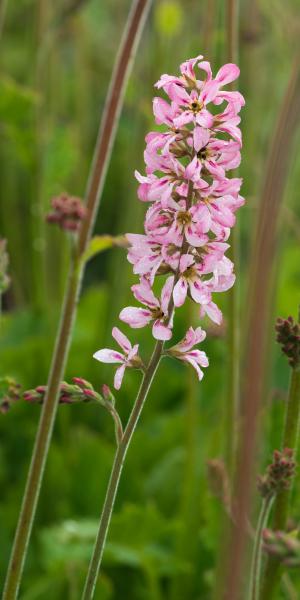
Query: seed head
column 4, row 278
column 279, row 474
column 285, row 546
column 68, row 212
column 288, row 336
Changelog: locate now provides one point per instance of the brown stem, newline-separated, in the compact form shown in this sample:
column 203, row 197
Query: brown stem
column 100, row 162
column 260, row 278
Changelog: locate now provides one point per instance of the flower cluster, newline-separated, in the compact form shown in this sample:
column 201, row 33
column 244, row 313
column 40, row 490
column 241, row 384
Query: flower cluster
column 288, row 336
column 4, row 278
column 279, row 473
column 67, row 212
column 192, row 204
column 10, row 392
column 285, row 546
column 80, row 391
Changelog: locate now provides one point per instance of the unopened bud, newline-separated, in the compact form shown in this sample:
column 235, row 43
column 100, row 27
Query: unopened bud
column 279, row 474
column 288, row 336
column 68, row 212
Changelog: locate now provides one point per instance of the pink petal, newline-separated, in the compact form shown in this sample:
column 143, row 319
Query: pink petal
column 178, row 94
column 166, row 294
column 109, row 356
column 227, row 74
column 135, row 317
column 201, row 137
column 198, row 294
column 195, row 365
column 133, row 353
column 161, row 331
column 186, row 261
column 162, row 111
column 121, row 339
column 180, row 292
column 119, row 374
column 143, row 293
column 212, row 311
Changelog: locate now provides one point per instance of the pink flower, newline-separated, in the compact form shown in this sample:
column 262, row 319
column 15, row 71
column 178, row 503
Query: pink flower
column 129, row 359
column 193, row 103
column 184, row 350
column 156, row 313
column 174, row 224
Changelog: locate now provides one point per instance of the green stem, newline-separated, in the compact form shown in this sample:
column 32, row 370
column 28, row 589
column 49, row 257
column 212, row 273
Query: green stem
column 282, row 502
column 257, row 549
column 116, row 473
column 107, row 131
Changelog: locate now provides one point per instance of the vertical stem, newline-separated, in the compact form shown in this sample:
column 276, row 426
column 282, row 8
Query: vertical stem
column 258, row 300
column 281, row 508
column 116, row 473
column 232, row 401
column 107, row 131
column 3, row 9
column 257, row 549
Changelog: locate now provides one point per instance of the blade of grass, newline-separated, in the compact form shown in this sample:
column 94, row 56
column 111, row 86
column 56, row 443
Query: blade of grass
column 107, row 131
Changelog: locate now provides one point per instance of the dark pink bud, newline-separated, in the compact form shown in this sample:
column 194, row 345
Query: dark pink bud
column 41, row 389
column 106, row 392
column 90, row 393
column 65, row 399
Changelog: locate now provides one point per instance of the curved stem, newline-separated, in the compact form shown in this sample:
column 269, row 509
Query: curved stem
column 120, row 455
column 257, row 549
column 101, row 158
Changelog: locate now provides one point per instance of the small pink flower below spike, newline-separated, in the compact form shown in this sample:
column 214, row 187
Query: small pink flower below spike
column 156, row 313
column 185, row 351
column 129, row 359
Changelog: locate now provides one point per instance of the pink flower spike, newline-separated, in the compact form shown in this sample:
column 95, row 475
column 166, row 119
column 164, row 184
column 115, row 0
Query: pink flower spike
column 129, row 359
column 185, row 351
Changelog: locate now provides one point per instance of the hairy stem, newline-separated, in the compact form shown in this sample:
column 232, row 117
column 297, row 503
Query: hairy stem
column 255, row 574
column 101, row 158
column 281, row 507
column 121, row 452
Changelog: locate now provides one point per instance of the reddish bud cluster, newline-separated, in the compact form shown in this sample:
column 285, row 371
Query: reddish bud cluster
column 68, row 212
column 81, row 391
column 285, row 546
column 288, row 336
column 9, row 393
column 279, row 473
column 4, row 278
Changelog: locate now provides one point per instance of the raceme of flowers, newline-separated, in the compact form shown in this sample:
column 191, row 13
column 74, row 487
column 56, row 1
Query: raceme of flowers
column 192, row 210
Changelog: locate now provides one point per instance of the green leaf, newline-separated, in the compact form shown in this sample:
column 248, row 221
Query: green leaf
column 99, row 243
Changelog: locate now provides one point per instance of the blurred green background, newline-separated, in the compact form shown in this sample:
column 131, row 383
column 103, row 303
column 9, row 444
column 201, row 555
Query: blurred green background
column 55, row 63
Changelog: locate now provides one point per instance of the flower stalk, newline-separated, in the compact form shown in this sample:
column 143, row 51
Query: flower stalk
column 108, row 125
column 116, row 473
column 192, row 210
column 289, row 336
column 257, row 549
